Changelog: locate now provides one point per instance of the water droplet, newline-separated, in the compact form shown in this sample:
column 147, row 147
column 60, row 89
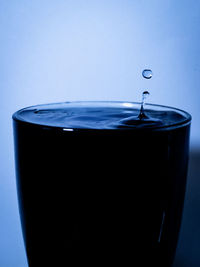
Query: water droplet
column 147, row 74
column 142, row 114
column 145, row 94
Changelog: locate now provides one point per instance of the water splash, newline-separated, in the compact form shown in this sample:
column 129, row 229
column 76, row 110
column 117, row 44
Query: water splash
column 142, row 114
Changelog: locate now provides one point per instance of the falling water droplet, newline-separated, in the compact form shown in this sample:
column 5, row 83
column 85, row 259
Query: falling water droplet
column 142, row 114
column 147, row 74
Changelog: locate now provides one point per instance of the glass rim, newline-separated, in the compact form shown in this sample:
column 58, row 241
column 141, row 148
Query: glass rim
column 98, row 103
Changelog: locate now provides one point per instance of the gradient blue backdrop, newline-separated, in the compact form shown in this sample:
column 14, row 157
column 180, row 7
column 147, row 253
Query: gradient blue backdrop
column 52, row 51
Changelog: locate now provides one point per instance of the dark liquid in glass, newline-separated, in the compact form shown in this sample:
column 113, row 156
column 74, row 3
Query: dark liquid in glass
column 98, row 186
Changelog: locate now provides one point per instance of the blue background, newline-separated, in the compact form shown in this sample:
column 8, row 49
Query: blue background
column 52, row 51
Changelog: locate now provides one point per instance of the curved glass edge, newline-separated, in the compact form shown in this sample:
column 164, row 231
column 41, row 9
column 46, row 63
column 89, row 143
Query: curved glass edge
column 186, row 121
